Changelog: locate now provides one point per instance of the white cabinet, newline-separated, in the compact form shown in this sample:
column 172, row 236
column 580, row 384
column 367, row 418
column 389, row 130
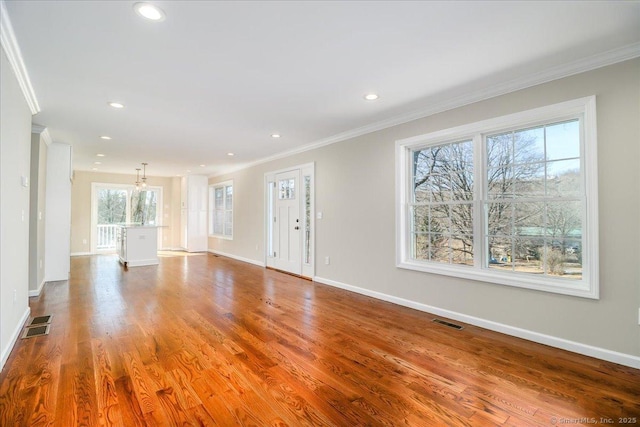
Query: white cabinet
column 193, row 213
column 137, row 245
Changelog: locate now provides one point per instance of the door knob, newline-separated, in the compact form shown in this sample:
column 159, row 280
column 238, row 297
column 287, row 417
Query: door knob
column 297, row 228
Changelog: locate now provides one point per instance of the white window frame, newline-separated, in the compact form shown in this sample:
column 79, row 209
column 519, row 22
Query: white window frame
column 585, row 110
column 212, row 209
column 97, row 186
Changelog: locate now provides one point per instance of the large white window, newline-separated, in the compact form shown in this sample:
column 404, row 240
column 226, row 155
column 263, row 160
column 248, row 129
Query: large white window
column 221, row 210
column 511, row 200
column 114, row 205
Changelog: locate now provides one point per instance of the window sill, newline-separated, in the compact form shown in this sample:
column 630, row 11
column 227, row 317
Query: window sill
column 546, row 284
column 220, row 236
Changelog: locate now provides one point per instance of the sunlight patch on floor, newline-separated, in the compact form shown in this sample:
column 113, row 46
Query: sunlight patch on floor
column 169, row 254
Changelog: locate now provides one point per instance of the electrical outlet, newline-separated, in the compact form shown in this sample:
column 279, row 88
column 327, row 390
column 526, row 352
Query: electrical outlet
column 327, row 260
column 84, row 241
column 40, row 263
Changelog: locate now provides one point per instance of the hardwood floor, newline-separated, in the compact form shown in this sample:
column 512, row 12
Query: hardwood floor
column 206, row 340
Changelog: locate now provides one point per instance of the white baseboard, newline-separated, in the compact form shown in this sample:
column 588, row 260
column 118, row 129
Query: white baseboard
column 81, row 253
column 576, row 347
column 37, row 292
column 14, row 337
column 142, row 262
column 239, row 258
column 113, row 252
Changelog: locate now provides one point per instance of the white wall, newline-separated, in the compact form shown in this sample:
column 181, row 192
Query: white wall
column 355, row 190
column 15, row 147
column 37, row 258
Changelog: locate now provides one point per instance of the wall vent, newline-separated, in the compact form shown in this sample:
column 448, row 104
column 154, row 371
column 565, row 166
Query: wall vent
column 449, row 324
column 40, row 320
column 36, row 331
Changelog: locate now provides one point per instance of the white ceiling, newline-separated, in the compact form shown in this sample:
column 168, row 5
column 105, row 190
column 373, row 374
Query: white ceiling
column 219, row 77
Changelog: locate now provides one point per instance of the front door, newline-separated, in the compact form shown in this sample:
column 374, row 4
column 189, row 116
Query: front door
column 287, row 226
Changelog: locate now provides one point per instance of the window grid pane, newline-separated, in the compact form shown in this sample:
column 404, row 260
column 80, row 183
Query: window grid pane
column 307, row 220
column 534, row 206
column 441, row 212
column 221, row 222
column 287, row 189
column 532, row 212
column 228, row 201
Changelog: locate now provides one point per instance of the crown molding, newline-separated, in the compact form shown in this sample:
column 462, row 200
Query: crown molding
column 44, row 133
column 35, row 128
column 610, row 57
column 46, row 137
column 10, row 45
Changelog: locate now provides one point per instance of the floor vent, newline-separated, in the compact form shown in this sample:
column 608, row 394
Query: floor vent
column 36, row 331
column 40, row 320
column 449, row 324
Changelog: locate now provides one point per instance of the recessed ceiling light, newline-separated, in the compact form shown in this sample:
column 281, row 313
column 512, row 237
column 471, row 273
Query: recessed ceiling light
column 202, row 166
column 230, row 154
column 105, row 137
column 275, row 135
column 116, row 105
column 149, row 11
column 97, row 163
column 100, row 155
column 94, row 169
column 371, row 97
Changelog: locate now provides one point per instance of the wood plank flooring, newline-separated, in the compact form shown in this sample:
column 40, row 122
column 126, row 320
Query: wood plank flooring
column 201, row 340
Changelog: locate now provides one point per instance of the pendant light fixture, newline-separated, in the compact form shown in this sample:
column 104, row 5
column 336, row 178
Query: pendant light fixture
column 137, row 178
column 144, row 175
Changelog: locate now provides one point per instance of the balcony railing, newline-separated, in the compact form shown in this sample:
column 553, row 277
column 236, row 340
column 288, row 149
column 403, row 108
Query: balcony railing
column 107, row 236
